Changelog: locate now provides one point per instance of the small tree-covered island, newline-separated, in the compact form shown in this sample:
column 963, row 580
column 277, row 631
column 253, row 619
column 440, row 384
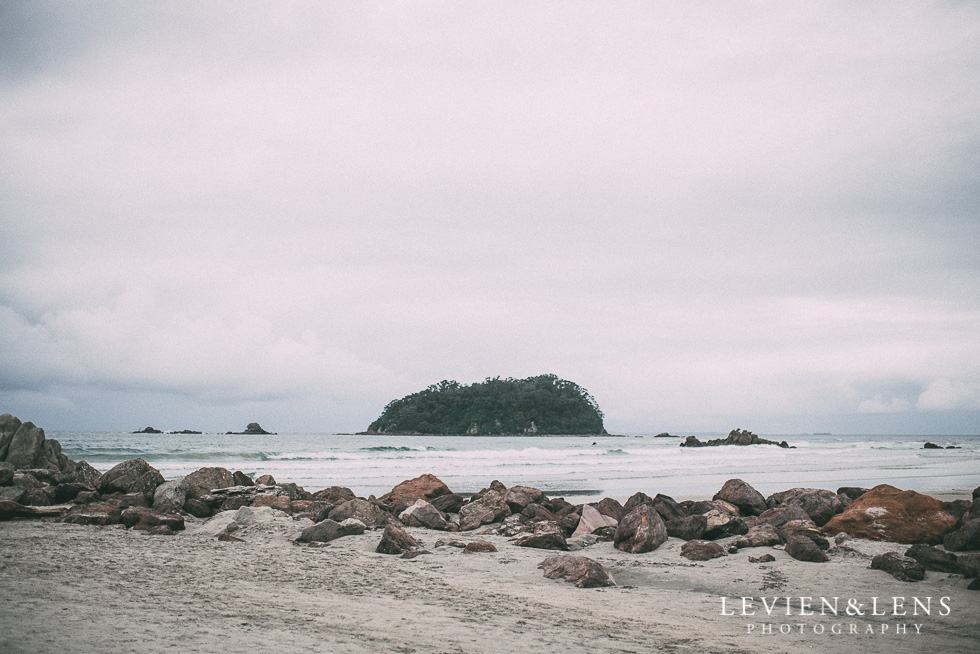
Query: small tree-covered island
column 542, row 405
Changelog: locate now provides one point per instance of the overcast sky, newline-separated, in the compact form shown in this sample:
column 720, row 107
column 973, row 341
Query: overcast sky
column 710, row 215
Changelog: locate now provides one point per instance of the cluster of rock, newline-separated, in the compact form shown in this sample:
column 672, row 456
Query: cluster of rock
column 735, row 437
column 34, row 475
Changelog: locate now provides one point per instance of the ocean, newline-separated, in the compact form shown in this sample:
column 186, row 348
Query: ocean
column 570, row 466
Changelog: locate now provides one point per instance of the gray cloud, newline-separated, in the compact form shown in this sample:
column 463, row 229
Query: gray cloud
column 701, row 214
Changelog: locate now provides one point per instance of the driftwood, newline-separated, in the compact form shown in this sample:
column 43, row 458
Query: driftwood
column 10, row 510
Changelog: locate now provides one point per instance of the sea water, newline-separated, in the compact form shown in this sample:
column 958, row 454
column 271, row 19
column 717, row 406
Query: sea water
column 580, row 466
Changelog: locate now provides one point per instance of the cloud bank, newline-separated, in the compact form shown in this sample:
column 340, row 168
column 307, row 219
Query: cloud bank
column 707, row 216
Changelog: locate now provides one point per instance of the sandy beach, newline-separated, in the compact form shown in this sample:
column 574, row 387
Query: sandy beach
column 71, row 588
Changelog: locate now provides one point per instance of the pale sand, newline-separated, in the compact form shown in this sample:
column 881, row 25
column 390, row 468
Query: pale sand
column 67, row 588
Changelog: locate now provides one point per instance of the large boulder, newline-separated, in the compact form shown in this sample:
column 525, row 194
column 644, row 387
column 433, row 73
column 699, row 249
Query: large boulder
column 423, row 514
column 170, row 495
column 643, row 530
column 133, row 476
column 579, row 570
column 889, row 514
column 903, row 568
column 27, row 447
column 805, row 529
column 966, row 537
column 748, row 500
column 426, row 487
column 546, row 536
column 396, row 540
column 635, row 500
column 328, row 530
column 8, row 427
column 365, row 511
column 592, row 520
column 451, row 503
column 820, row 505
column 204, row 480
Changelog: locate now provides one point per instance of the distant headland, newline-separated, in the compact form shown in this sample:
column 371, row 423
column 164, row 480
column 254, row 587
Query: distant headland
column 536, row 406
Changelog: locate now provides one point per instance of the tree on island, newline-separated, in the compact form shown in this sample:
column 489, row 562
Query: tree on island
column 537, row 405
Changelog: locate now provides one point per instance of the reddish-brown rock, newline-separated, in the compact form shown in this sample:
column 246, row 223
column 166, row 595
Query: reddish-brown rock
column 427, row 487
column 889, row 514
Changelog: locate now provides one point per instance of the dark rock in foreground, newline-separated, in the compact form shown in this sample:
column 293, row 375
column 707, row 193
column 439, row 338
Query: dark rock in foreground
column 546, row 536
column 702, row 550
column 328, row 530
column 804, row 549
column 133, row 476
column 966, row 537
column 396, row 540
column 933, row 558
column 580, row 570
column 903, row 568
column 643, row 530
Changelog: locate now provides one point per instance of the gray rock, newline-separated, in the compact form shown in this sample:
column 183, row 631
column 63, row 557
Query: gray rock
column 133, row 476
column 592, row 520
column 702, row 550
column 903, row 568
column 968, row 565
column 363, row 510
column 328, row 530
column 490, row 508
column 966, row 537
column 748, row 500
column 820, row 505
column 8, row 427
column 423, row 514
column 610, row 508
column 170, row 495
column 579, row 570
column 204, row 481
column 12, row 493
column 6, row 474
column 643, row 530
column 80, row 472
column 26, row 448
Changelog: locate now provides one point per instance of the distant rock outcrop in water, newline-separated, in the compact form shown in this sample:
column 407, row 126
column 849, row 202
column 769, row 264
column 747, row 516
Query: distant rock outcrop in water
column 253, row 428
column 534, row 406
column 148, row 430
column 735, row 437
